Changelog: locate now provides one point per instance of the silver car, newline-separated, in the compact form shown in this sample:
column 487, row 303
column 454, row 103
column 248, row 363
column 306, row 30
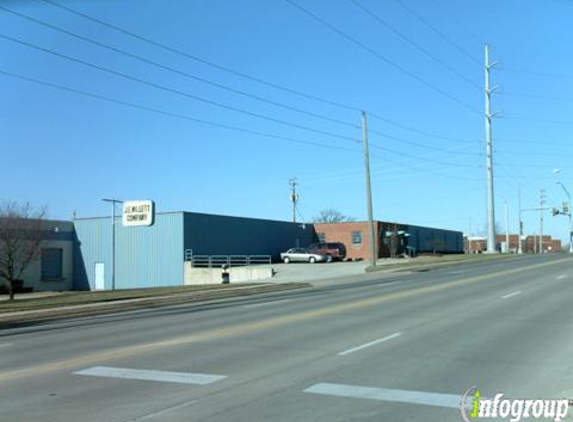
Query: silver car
column 301, row 255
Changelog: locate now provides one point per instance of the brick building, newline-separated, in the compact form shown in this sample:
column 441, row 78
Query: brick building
column 392, row 239
column 478, row 244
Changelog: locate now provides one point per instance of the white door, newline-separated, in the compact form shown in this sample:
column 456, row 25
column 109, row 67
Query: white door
column 100, row 276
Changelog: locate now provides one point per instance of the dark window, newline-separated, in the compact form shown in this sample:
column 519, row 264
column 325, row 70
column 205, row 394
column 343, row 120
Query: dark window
column 357, row 238
column 320, row 237
column 51, row 263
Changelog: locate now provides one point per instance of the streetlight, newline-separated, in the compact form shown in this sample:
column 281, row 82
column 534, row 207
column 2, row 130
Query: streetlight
column 113, row 202
column 568, row 214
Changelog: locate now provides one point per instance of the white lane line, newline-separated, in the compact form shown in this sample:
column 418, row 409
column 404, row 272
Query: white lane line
column 162, row 411
column 147, row 375
column 456, row 272
column 511, row 295
column 387, row 284
column 5, row 344
column 561, row 277
column 383, row 394
column 256, row 305
column 372, row 343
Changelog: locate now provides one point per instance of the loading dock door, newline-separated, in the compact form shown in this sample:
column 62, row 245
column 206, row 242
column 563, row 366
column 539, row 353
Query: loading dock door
column 99, row 276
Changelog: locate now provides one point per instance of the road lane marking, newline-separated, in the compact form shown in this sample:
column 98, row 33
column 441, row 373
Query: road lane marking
column 387, row 284
column 372, row 343
column 383, row 394
column 235, row 330
column 511, row 295
column 147, row 375
column 256, row 305
column 456, row 272
column 5, row 344
column 161, row 412
column 561, row 277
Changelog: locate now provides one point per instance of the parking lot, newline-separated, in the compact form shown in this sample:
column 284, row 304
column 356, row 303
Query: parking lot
column 301, row 272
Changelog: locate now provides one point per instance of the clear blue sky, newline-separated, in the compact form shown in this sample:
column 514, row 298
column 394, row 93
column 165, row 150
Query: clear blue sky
column 68, row 151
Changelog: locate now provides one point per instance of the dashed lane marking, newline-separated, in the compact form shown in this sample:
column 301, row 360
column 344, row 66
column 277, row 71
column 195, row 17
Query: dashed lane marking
column 369, row 344
column 511, row 294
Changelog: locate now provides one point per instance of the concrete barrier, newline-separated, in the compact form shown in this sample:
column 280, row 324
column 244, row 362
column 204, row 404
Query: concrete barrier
column 236, row 274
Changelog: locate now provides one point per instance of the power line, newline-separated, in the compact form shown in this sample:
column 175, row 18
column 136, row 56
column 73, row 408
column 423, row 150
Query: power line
column 417, row 144
column 211, row 123
column 384, row 59
column 201, row 60
column 557, row 154
column 529, row 141
column 424, row 171
column 244, row 75
column 176, row 71
column 272, row 119
column 421, row 132
column 175, row 115
column 457, row 21
column 175, row 91
column 430, row 160
column 414, row 44
column 540, row 74
column 536, row 120
column 535, row 96
column 439, row 33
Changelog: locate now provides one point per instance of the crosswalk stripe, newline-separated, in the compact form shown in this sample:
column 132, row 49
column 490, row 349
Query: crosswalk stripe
column 150, row 375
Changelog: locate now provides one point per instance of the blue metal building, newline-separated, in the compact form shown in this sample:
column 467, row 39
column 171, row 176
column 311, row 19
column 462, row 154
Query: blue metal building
column 154, row 256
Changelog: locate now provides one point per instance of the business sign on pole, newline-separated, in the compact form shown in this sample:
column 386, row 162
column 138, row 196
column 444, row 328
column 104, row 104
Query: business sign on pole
column 138, row 213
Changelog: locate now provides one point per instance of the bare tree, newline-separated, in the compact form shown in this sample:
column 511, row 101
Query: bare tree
column 437, row 244
column 331, row 216
column 393, row 241
column 21, row 238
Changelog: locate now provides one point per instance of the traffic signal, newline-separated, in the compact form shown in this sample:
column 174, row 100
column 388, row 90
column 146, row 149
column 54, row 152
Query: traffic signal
column 555, row 211
column 565, row 208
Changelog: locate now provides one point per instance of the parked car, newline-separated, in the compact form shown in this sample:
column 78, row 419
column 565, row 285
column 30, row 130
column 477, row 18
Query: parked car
column 332, row 250
column 302, row 255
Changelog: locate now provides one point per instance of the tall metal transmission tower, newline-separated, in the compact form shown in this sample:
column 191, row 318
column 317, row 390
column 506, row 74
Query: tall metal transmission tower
column 490, row 211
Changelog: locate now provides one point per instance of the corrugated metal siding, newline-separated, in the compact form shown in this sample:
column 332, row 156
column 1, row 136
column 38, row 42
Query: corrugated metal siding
column 425, row 239
column 145, row 256
column 210, row 234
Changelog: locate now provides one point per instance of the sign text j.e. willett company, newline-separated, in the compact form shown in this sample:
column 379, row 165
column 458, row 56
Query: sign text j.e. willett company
column 138, row 213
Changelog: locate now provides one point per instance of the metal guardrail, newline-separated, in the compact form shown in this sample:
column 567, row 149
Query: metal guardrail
column 218, row 261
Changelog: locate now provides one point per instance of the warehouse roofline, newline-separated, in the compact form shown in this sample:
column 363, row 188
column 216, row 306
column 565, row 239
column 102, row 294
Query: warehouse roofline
column 202, row 214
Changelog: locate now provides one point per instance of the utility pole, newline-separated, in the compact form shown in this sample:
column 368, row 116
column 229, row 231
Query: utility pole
column 373, row 241
column 113, row 202
column 294, row 197
column 506, row 227
column 489, row 157
column 566, row 210
column 519, row 243
column 541, row 206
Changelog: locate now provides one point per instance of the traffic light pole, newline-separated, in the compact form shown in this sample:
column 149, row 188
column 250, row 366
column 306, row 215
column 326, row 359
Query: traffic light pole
column 568, row 213
column 520, row 240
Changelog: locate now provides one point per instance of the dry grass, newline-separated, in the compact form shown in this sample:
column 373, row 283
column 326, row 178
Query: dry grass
column 80, row 298
column 437, row 260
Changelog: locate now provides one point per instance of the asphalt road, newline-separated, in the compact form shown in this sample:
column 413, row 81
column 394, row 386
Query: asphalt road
column 399, row 347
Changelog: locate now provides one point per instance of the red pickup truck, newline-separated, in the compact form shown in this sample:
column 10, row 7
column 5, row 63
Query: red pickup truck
column 332, row 250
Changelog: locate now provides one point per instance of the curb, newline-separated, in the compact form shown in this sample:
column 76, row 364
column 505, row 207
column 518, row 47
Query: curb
column 430, row 265
column 118, row 306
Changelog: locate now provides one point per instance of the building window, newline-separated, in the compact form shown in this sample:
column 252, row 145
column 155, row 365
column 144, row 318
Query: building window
column 321, row 237
column 52, row 263
column 357, row 238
